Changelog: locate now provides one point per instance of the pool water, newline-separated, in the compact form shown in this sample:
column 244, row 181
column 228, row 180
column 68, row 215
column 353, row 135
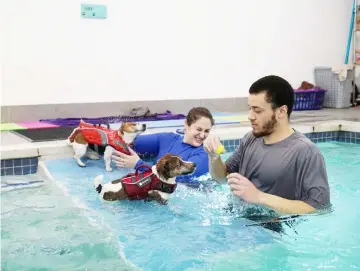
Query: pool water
column 200, row 229
column 42, row 229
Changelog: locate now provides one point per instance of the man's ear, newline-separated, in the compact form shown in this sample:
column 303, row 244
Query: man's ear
column 283, row 111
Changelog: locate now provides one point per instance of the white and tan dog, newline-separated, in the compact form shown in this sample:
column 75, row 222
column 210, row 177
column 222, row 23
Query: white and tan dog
column 81, row 145
column 157, row 182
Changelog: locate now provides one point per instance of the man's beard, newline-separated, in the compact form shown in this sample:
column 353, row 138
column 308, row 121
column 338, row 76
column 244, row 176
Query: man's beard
column 267, row 129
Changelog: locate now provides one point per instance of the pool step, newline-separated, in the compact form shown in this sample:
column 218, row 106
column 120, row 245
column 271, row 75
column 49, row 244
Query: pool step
column 16, row 184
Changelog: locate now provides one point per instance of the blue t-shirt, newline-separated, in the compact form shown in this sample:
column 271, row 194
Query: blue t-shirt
column 161, row 143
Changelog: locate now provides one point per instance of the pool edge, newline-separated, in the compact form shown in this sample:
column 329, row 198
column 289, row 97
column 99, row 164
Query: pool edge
column 230, row 136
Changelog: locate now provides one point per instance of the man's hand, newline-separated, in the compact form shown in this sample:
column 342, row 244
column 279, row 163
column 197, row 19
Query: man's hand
column 217, row 168
column 243, row 188
column 211, row 143
column 124, row 160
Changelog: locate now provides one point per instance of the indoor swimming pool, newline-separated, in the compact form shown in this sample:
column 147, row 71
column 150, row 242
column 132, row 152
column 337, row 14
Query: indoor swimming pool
column 63, row 225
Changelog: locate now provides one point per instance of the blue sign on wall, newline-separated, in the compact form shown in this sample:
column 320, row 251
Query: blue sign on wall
column 93, row 11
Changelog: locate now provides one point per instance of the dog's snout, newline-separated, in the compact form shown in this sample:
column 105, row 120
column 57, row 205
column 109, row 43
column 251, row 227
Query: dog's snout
column 191, row 165
column 188, row 167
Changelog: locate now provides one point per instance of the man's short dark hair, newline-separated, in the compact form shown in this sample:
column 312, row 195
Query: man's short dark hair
column 278, row 91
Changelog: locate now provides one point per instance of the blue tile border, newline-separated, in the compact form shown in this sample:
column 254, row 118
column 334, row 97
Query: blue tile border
column 349, row 137
column 323, row 136
column 231, row 144
column 340, row 136
column 19, row 166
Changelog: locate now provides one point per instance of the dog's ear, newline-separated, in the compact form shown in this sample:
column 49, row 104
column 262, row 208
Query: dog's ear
column 163, row 169
column 121, row 129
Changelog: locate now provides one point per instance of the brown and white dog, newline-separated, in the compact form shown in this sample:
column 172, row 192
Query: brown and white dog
column 127, row 131
column 157, row 183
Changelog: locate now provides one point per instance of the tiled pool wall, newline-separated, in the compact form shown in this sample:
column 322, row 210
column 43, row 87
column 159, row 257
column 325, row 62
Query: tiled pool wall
column 24, row 166
column 19, row 166
column 340, row 136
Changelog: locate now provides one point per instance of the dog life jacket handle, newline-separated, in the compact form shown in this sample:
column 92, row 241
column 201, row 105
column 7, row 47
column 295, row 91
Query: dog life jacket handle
column 107, row 125
column 140, row 166
column 146, row 180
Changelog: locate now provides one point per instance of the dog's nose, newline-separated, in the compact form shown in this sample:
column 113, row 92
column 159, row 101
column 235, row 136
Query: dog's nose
column 144, row 125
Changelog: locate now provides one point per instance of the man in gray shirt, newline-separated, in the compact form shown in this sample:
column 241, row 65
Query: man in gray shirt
column 274, row 165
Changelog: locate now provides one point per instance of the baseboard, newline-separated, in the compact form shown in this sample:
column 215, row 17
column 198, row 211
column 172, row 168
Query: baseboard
column 91, row 110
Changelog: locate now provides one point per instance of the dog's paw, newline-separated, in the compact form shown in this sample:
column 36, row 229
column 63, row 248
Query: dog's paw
column 109, row 169
column 68, row 142
column 156, row 195
column 81, row 164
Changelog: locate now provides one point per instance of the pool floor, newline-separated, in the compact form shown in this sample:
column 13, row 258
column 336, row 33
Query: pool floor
column 200, row 229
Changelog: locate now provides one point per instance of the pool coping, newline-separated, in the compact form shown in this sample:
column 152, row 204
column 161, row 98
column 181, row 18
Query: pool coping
column 52, row 149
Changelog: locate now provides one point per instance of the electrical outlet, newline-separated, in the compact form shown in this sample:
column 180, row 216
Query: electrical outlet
column 93, row 11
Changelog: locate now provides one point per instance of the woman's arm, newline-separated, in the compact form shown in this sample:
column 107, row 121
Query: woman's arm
column 143, row 144
column 150, row 144
column 147, row 144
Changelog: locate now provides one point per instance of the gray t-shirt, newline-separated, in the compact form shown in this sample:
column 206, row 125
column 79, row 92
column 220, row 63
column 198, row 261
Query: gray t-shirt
column 293, row 168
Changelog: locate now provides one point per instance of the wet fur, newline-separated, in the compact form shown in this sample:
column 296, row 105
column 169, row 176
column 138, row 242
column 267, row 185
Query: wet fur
column 166, row 169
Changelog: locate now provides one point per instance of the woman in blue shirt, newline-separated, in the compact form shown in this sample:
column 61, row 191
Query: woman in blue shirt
column 198, row 124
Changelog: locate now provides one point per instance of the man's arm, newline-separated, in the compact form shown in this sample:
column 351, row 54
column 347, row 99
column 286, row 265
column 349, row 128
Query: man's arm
column 217, row 168
column 245, row 189
column 312, row 183
column 285, row 206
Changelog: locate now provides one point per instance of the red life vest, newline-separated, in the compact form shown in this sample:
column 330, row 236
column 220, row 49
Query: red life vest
column 137, row 185
column 100, row 135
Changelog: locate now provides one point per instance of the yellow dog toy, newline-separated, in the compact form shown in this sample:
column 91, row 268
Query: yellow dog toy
column 220, row 149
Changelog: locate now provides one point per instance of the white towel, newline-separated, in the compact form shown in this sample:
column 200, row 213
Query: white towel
column 341, row 70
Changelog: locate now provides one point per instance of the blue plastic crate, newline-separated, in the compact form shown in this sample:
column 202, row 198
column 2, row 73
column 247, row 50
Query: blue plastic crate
column 309, row 99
